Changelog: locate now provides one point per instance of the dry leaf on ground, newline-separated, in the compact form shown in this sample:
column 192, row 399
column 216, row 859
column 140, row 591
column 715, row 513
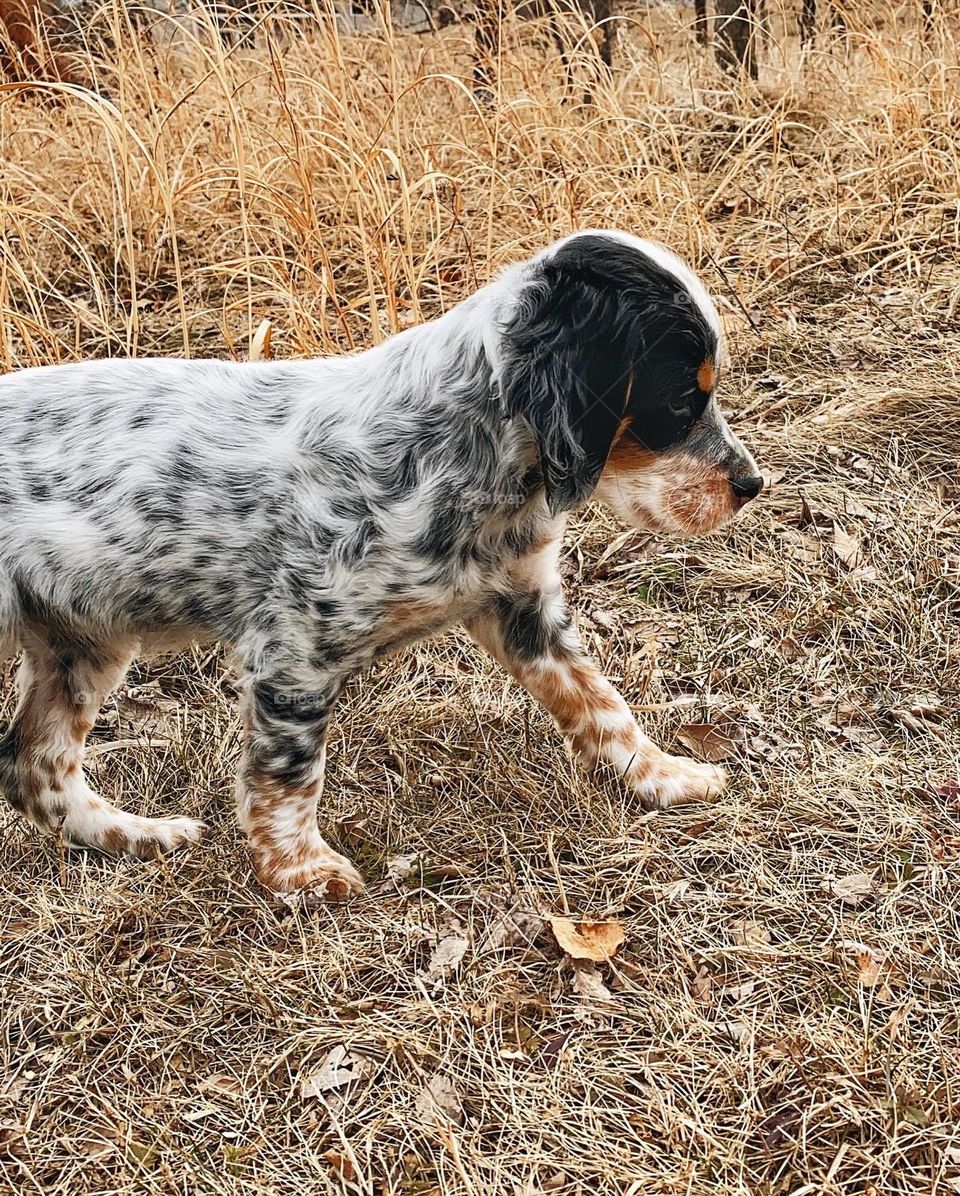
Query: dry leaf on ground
column 747, row 933
column 587, row 940
column 510, row 928
column 447, row 955
column 339, row 1069
column 341, row 1165
column 587, row 982
column 708, row 741
column 402, row 866
column 440, row 1096
column 847, row 548
column 852, row 889
column 702, row 986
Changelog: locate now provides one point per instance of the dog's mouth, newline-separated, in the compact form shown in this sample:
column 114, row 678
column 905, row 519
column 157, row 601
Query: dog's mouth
column 677, row 494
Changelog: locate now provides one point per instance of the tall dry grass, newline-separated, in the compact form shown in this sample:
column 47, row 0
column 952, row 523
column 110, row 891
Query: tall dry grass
column 770, row 1026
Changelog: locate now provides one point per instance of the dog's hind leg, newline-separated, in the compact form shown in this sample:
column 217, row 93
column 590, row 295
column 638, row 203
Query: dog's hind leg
column 61, row 688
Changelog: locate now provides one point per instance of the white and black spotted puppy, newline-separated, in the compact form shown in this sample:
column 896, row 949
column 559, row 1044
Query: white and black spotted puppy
column 315, row 515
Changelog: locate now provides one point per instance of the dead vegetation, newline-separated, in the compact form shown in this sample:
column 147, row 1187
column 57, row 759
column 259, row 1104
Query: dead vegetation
column 782, row 1013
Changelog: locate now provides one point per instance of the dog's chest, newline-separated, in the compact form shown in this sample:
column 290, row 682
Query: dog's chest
column 506, row 564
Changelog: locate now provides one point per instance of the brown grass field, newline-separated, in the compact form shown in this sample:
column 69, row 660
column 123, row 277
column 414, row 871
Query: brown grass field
column 784, row 1014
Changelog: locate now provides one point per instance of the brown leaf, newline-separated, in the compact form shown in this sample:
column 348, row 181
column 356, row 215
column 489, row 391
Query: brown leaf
column 702, row 986
column 949, row 791
column 846, row 547
column 512, row 927
column 353, row 828
column 341, row 1165
column 707, row 741
column 447, row 955
column 223, row 1085
column 747, row 933
column 853, row 889
column 440, row 1096
column 587, row 940
column 587, row 982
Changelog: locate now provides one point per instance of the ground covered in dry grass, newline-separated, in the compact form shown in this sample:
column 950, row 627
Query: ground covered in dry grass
column 784, row 1013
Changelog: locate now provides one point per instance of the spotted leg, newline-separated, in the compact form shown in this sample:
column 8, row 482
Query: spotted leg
column 280, row 782
column 531, row 634
column 62, row 685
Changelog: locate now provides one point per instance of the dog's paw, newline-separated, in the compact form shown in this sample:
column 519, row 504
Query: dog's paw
column 677, row 781
column 326, row 877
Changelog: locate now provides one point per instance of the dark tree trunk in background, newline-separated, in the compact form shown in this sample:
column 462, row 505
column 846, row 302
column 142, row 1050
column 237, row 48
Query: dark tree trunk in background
column 700, row 21
column 736, row 28
column 808, row 21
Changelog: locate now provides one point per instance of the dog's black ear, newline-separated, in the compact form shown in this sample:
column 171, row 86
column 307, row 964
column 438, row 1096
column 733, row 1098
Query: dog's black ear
column 568, row 374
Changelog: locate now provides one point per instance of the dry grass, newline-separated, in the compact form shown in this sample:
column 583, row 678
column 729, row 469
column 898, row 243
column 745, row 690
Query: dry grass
column 762, row 1035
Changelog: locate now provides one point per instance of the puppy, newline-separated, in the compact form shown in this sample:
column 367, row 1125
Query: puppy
column 317, row 515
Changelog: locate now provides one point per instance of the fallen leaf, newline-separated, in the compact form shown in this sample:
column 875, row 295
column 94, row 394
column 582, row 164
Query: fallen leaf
column 740, row 1032
column 747, row 933
column 353, row 828
column 552, row 1049
column 401, row 866
column 870, row 966
column 587, row 940
column 223, row 1085
column 587, row 982
column 846, row 547
column 446, row 956
column 510, row 928
column 917, row 715
column 702, row 986
column 852, row 889
column 339, row 1069
column 440, row 1096
column 707, row 741
column 949, row 791
column 341, row 1165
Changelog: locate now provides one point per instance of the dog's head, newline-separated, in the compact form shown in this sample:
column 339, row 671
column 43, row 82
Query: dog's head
column 611, row 354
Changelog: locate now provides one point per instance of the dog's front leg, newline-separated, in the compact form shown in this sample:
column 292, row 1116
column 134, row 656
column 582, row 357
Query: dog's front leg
column 279, row 786
column 531, row 634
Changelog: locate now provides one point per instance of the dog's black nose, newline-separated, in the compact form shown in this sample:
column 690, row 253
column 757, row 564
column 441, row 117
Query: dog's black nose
column 746, row 488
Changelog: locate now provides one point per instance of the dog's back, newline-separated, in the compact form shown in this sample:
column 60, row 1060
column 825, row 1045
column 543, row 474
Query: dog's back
column 121, row 483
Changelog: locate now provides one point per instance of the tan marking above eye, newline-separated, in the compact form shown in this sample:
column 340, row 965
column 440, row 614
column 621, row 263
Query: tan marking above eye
column 707, row 375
